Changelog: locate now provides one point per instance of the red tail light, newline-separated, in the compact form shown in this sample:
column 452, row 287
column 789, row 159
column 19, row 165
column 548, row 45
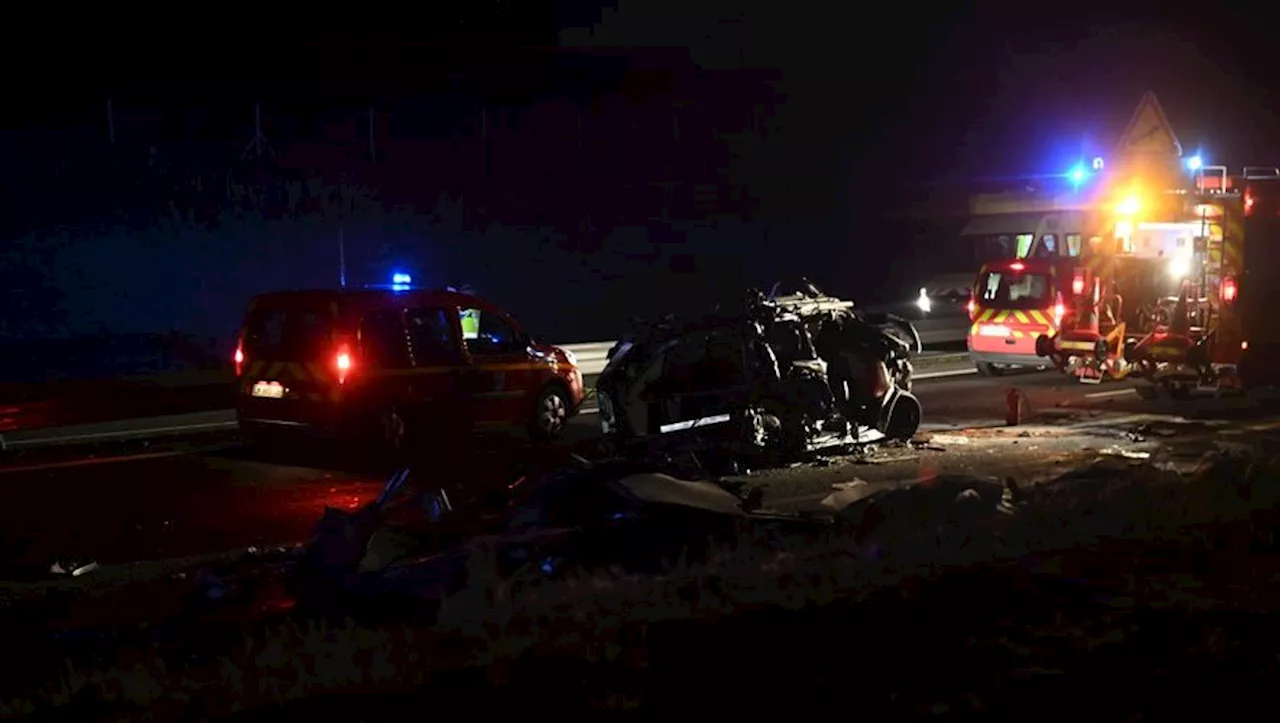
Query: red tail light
column 342, row 363
column 972, row 307
column 1059, row 311
column 1017, row 266
column 1077, row 283
column 238, row 358
column 1248, row 203
column 1229, row 290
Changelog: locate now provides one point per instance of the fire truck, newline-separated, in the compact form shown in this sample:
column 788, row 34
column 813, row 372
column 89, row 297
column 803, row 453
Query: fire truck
column 1176, row 286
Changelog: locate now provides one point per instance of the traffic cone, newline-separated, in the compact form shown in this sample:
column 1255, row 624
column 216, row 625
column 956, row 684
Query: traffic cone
column 1014, row 400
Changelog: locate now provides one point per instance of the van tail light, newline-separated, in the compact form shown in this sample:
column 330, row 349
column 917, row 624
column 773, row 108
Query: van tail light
column 1229, row 290
column 1077, row 283
column 1059, row 311
column 972, row 308
column 238, row 358
column 342, row 363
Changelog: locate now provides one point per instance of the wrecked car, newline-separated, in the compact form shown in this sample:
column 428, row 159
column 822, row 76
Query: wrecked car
column 784, row 376
column 416, row 544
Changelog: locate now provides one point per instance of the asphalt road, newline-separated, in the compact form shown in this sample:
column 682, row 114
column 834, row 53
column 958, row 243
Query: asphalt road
column 180, row 502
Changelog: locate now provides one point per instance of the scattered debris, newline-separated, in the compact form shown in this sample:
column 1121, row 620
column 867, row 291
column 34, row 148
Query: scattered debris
column 1114, row 451
column 855, row 482
column 944, row 439
column 73, row 568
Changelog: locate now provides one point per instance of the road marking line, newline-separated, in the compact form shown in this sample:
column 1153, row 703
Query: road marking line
column 1112, row 393
column 949, row 373
column 93, row 460
column 206, row 427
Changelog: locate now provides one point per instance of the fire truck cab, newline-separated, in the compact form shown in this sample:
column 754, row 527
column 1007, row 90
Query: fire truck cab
column 1162, row 295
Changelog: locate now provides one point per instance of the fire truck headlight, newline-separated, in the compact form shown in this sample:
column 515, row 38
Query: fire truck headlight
column 1180, row 267
column 923, row 302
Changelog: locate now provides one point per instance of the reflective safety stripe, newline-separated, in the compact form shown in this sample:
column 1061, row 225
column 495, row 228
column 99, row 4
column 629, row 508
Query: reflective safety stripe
column 1021, row 316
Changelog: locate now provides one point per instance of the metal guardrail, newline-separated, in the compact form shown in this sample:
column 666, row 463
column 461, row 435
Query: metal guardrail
column 946, row 330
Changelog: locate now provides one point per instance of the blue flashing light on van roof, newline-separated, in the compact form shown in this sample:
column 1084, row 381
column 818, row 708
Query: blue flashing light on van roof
column 1078, row 174
column 1194, row 163
column 401, row 279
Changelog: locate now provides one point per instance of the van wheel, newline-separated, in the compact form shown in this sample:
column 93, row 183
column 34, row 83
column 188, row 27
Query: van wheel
column 987, row 369
column 550, row 414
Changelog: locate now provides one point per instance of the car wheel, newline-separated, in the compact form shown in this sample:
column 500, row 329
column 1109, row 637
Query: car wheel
column 987, row 369
column 395, row 432
column 550, row 414
column 904, row 418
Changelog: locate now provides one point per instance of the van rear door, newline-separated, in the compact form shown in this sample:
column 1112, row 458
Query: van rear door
column 288, row 373
column 1013, row 308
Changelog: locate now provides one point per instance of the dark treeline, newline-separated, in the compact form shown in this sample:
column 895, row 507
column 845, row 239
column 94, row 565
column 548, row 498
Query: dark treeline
column 550, row 138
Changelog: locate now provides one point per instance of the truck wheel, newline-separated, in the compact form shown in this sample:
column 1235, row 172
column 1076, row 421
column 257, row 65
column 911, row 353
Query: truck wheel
column 987, row 369
column 550, row 414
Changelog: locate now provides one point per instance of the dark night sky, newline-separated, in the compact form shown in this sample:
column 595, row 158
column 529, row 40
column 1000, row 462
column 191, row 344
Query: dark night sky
column 991, row 88
column 919, row 97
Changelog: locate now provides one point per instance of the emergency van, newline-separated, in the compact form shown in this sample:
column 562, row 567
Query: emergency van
column 1014, row 302
column 394, row 365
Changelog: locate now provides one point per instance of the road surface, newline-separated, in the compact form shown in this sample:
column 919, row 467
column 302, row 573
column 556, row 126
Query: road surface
column 174, row 502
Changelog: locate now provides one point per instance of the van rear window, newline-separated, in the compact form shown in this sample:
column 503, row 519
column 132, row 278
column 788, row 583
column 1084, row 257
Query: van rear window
column 287, row 334
column 1010, row 290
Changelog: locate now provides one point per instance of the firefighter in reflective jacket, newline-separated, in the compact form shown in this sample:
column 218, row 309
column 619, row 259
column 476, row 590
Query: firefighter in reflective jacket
column 470, row 319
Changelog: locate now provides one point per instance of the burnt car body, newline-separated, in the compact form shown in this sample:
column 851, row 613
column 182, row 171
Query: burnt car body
column 784, row 376
column 415, row 545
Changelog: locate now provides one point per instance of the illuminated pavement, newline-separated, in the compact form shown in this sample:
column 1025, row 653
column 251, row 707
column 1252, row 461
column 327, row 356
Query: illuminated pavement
column 178, row 502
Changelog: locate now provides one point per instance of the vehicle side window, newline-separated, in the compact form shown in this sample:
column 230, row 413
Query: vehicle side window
column 384, row 339
column 1073, row 244
column 430, row 336
column 487, row 333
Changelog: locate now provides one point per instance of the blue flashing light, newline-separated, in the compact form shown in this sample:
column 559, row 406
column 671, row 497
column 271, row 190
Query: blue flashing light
column 399, row 279
column 1078, row 175
column 1194, row 163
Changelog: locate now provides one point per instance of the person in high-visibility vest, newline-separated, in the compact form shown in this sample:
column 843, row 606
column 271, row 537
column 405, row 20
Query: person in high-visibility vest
column 470, row 319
